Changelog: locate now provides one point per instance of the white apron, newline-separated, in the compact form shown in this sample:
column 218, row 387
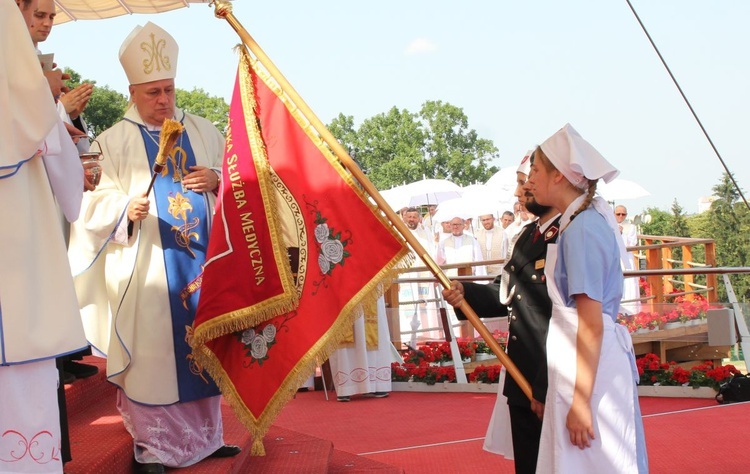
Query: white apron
column 499, row 439
column 612, row 402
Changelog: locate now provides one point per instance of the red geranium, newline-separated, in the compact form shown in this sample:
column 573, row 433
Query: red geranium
column 654, row 372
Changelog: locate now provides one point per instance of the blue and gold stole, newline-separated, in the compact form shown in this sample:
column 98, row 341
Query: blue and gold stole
column 184, row 230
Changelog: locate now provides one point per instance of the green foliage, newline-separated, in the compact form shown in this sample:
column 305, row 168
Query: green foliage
column 200, row 103
column 727, row 223
column 399, row 146
column 75, row 78
column 105, row 108
column 678, row 221
column 660, row 223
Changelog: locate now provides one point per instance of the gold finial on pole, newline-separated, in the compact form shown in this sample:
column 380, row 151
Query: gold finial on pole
column 222, row 8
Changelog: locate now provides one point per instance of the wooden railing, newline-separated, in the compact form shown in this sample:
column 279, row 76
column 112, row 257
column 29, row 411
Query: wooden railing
column 658, row 254
column 693, row 273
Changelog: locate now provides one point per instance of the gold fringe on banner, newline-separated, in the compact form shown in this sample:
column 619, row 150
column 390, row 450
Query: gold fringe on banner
column 366, row 297
column 244, row 318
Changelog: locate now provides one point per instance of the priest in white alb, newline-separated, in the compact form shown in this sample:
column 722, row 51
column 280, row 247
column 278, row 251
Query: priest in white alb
column 39, row 318
column 362, row 365
column 490, row 238
column 460, row 248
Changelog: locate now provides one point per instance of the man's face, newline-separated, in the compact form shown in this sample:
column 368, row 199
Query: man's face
column 540, row 183
column 412, row 220
column 488, row 221
column 44, row 17
column 27, row 10
column 620, row 214
column 531, row 204
column 154, row 100
column 506, row 220
column 518, row 193
column 432, row 209
column 457, row 226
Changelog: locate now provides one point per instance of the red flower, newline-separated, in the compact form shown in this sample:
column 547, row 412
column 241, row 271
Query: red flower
column 705, row 374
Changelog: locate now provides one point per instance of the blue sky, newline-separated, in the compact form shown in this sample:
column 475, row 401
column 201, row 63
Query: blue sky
column 519, row 70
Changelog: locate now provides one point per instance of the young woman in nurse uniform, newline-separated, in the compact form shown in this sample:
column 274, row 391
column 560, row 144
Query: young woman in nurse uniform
column 592, row 421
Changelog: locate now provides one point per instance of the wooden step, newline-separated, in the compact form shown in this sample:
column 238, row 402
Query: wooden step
column 348, row 463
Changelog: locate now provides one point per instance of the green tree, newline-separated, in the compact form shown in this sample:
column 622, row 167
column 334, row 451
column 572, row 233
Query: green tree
column 389, row 148
column 454, row 151
column 105, row 108
column 200, row 103
column 399, row 146
column 342, row 127
column 678, row 221
column 660, row 223
column 729, row 224
column 677, row 227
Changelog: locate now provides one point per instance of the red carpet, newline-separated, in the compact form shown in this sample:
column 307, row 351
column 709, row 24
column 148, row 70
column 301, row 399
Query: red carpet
column 443, row 432
column 407, row 432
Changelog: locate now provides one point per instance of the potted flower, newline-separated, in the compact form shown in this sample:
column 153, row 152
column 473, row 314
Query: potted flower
column 645, row 321
column 465, row 349
column 441, row 352
column 653, row 371
column 485, row 374
column 671, row 319
column 626, row 320
column 482, row 351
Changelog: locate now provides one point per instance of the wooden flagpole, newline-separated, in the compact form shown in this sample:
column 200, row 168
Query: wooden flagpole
column 223, row 9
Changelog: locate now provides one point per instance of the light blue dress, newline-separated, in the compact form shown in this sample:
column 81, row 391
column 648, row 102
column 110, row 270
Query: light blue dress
column 587, row 261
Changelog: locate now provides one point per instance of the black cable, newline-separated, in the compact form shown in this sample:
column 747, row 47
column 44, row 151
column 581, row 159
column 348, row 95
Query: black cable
column 705, row 133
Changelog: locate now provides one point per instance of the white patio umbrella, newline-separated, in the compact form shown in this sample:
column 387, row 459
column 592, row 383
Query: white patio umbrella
column 619, row 189
column 474, row 205
column 503, row 181
column 485, row 199
column 99, row 9
column 431, row 191
column 396, row 197
column 452, row 208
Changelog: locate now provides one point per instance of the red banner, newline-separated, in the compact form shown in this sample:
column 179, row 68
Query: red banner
column 341, row 249
column 246, row 278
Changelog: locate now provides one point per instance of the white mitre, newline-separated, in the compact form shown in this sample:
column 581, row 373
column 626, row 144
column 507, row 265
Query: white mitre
column 149, row 54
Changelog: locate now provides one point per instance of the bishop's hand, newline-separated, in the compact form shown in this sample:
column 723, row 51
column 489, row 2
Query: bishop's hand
column 138, row 208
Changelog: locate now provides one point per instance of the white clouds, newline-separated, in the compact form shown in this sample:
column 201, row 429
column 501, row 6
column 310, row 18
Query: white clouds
column 420, row 46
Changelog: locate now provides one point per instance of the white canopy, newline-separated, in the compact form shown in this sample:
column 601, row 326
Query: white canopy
column 503, row 181
column 68, row 10
column 619, row 189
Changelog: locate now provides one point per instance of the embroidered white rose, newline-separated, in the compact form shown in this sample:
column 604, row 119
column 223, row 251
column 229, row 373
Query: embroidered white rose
column 258, row 343
column 321, row 233
column 331, row 244
column 333, row 250
column 259, row 347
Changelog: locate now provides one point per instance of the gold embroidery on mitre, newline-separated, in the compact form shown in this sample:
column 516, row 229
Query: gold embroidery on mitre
column 156, row 57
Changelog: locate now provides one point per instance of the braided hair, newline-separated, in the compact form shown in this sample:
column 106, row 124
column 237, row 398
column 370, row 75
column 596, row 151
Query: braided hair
column 589, row 197
column 545, row 161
